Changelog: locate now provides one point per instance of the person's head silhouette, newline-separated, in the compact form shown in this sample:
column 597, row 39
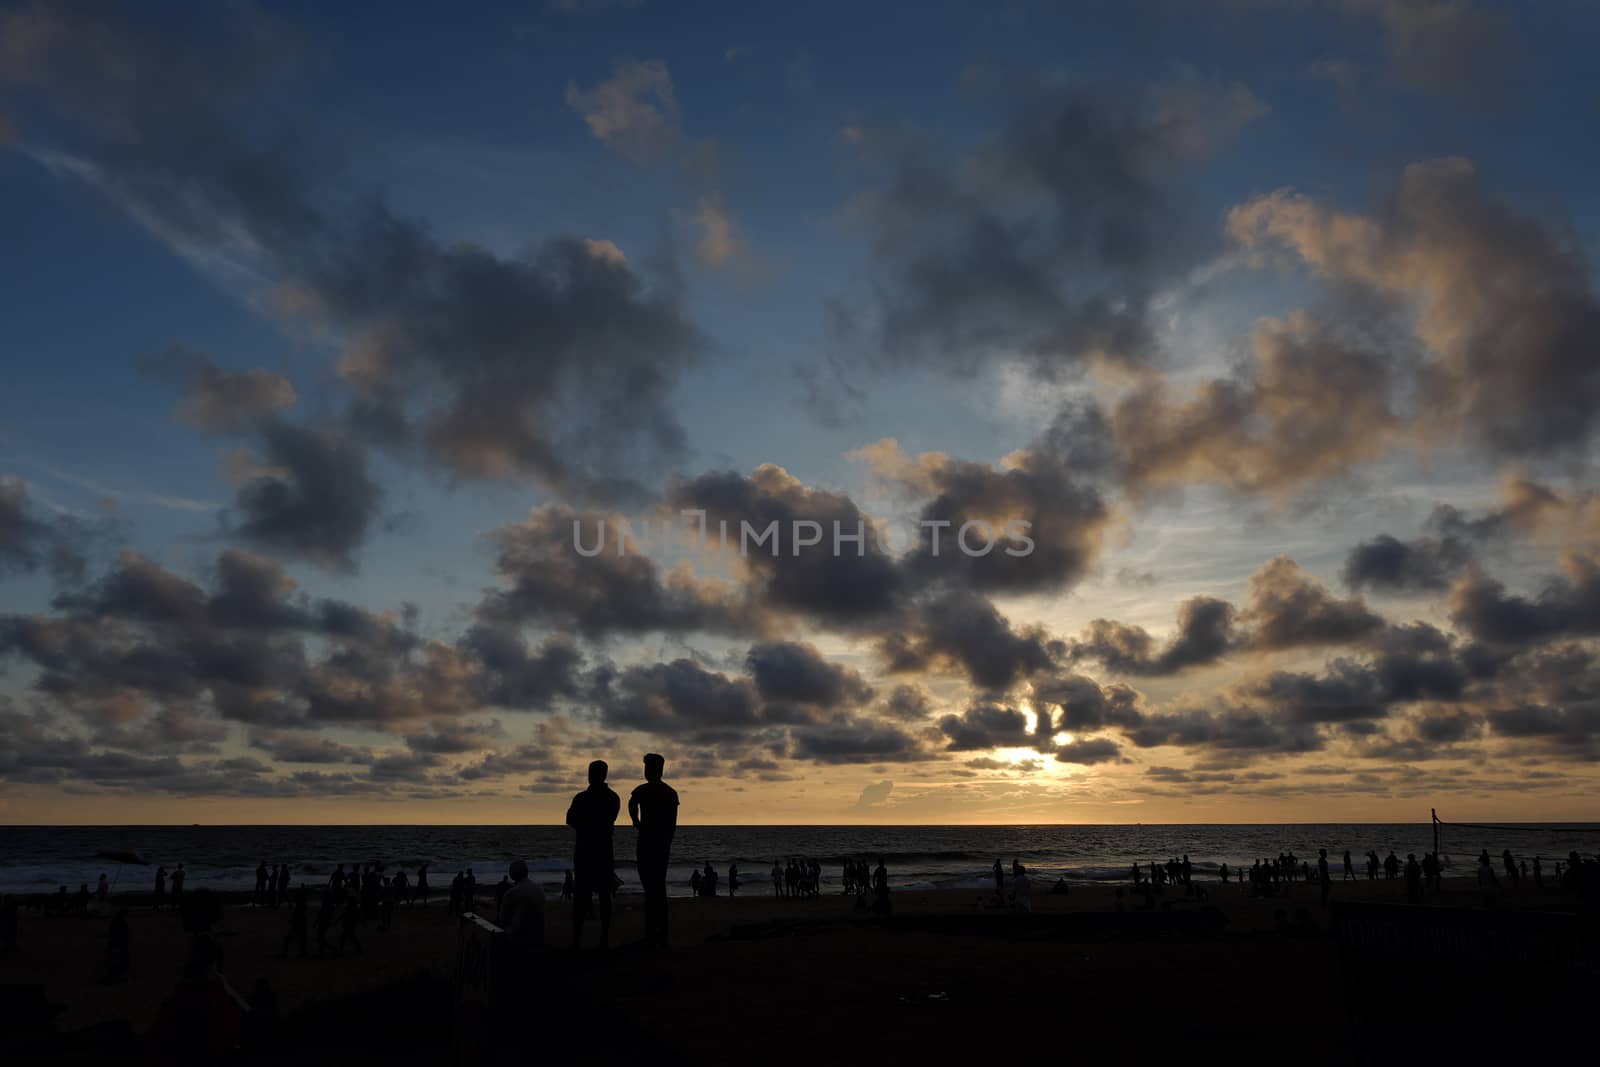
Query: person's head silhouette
column 654, row 764
column 597, row 772
column 519, row 870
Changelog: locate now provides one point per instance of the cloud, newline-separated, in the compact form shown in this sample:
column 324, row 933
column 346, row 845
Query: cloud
column 1206, row 633
column 1037, row 525
column 720, row 243
column 1288, row 608
column 855, row 740
column 312, row 497
column 618, row 589
column 1046, row 245
column 1568, row 605
column 1311, row 402
column 634, row 112
column 30, row 542
column 874, row 795
column 495, row 367
column 1090, row 751
column 985, row 726
column 1449, row 46
column 1503, row 306
column 219, row 400
column 848, row 588
column 788, row 672
column 1425, row 564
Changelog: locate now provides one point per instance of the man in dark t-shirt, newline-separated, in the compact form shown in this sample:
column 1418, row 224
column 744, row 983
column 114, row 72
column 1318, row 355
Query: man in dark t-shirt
column 593, row 814
column 653, row 807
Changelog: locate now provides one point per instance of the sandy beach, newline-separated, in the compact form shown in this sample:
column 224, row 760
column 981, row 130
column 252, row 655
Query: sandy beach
column 945, row 975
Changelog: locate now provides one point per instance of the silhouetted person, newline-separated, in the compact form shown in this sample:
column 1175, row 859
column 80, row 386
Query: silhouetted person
column 457, row 885
column 999, row 880
column 1413, row 879
column 1505, row 857
column 161, row 887
column 177, row 888
column 522, row 910
column 299, row 921
column 1538, row 873
column 260, row 898
column 653, row 809
column 1349, row 868
column 733, row 878
column 593, row 814
column 709, row 879
column 880, row 888
column 420, row 892
column 777, row 879
column 1391, row 866
column 469, row 891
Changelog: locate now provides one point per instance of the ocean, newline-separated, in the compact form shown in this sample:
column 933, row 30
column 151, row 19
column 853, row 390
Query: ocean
column 38, row 859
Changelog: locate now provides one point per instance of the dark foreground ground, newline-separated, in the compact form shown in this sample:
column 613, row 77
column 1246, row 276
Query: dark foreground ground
column 780, row 982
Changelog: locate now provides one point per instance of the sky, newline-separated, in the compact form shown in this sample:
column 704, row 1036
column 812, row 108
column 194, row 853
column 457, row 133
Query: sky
column 1214, row 386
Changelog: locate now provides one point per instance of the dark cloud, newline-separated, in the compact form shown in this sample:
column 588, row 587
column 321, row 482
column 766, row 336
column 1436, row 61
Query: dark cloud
column 908, row 703
column 312, row 497
column 1090, row 751
column 788, row 672
column 855, row 740
column 1311, row 401
column 1046, row 246
column 966, row 633
column 855, row 586
column 985, row 726
column 1288, row 608
column 1236, row 731
column 619, row 589
column 1087, row 705
column 290, row 746
column 495, row 365
column 679, row 699
column 1568, row 605
column 1425, row 564
column 30, row 542
column 1032, row 525
column 1502, row 302
column 514, row 676
column 1205, row 634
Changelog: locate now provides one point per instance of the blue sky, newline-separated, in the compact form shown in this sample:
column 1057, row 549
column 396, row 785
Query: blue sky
column 978, row 231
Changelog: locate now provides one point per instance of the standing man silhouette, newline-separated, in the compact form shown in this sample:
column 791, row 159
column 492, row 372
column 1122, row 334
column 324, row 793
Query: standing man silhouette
column 653, row 807
column 593, row 814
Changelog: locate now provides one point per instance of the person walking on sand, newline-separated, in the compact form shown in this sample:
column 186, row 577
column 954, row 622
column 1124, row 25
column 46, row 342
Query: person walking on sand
column 593, row 814
column 1349, row 868
column 420, row 891
column 653, row 809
